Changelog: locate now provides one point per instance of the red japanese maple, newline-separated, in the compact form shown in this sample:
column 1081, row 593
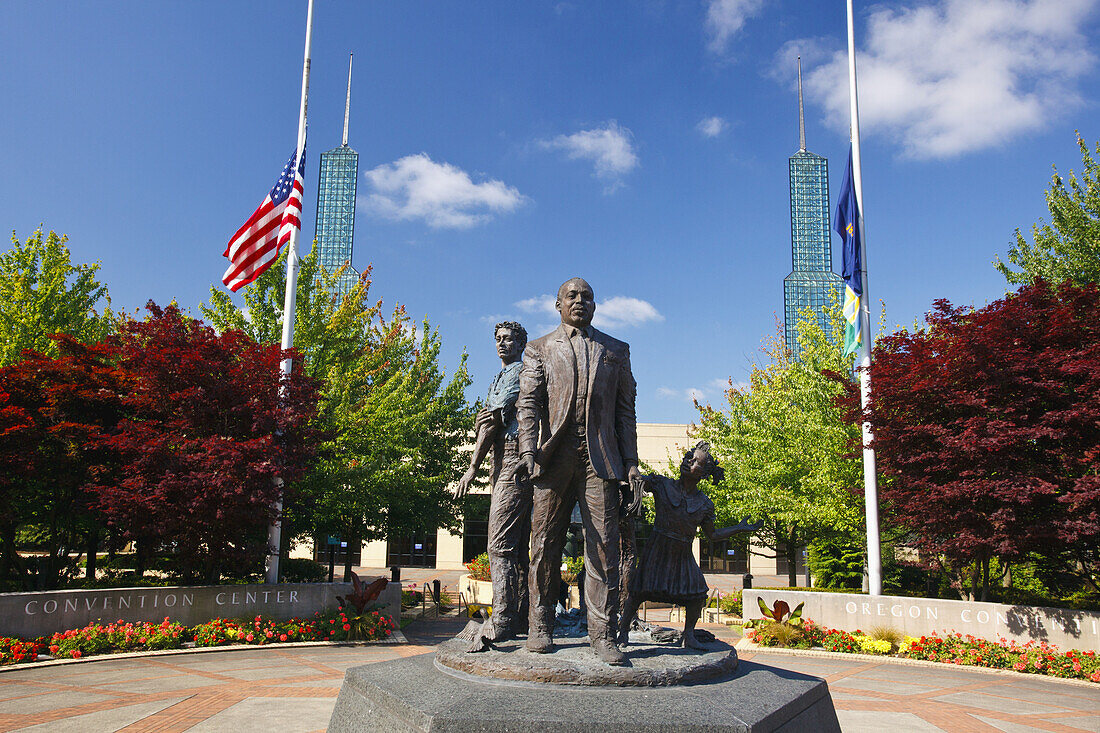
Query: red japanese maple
column 209, row 426
column 987, row 426
column 54, row 413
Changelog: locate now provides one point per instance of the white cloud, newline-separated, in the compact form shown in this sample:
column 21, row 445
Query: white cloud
column 691, row 394
column 715, row 391
column 540, row 305
column 444, row 196
column 610, row 148
column 954, row 76
column 725, row 18
column 614, row 313
column 620, row 311
column 711, row 126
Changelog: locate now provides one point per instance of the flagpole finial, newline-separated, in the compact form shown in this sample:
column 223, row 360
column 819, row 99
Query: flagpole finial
column 801, row 113
column 347, row 104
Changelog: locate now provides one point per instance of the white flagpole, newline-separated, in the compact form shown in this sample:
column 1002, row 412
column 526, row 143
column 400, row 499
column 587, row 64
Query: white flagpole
column 274, row 531
column 870, row 479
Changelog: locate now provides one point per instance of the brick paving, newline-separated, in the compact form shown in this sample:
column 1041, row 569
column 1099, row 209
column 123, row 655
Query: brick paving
column 295, row 688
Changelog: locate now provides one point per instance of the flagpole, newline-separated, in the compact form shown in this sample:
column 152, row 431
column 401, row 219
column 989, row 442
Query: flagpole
column 274, row 531
column 870, row 479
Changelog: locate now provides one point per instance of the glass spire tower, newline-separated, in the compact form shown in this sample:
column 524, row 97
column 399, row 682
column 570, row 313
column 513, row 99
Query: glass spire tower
column 335, row 227
column 812, row 282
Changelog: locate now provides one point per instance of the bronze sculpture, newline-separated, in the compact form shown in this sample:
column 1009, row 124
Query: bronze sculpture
column 510, row 502
column 668, row 571
column 578, row 442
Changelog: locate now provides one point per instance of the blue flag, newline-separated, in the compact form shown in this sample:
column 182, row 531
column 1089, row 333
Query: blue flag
column 846, row 224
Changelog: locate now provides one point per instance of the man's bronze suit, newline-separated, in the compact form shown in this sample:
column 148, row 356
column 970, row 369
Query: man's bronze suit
column 576, row 416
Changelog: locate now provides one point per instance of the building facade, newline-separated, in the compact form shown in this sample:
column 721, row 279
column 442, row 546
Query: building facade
column 812, row 282
column 658, row 445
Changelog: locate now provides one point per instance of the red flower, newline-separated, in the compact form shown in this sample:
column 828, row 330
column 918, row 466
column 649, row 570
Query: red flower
column 75, row 654
column 282, row 637
column 347, row 627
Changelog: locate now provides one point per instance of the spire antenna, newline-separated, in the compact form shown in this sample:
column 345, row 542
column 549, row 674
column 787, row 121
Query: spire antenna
column 347, row 105
column 801, row 114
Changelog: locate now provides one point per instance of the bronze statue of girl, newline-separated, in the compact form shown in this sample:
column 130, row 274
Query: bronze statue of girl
column 668, row 571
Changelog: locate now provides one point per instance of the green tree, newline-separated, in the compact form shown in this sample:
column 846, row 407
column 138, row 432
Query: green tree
column 42, row 293
column 787, row 448
column 394, row 423
column 1069, row 247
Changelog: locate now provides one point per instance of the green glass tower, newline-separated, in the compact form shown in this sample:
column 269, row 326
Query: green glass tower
column 335, row 227
column 812, row 282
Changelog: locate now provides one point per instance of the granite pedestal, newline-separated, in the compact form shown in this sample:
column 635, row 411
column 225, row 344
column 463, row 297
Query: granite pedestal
column 421, row 694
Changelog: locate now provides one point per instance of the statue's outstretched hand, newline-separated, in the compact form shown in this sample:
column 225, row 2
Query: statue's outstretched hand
column 463, row 484
column 634, row 474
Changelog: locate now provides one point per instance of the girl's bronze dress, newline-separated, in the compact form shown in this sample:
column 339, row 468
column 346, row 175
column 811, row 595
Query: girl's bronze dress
column 668, row 571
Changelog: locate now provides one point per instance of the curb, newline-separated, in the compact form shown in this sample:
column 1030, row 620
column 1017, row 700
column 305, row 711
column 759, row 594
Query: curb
column 748, row 646
column 395, row 638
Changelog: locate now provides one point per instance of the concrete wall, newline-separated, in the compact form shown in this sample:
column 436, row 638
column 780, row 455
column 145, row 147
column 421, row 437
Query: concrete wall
column 29, row 615
column 1065, row 628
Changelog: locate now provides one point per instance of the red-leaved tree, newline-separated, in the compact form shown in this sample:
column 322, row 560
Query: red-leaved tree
column 54, row 416
column 987, row 429
column 209, row 427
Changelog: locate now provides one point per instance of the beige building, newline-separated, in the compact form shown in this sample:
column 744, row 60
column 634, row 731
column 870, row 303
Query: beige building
column 658, row 443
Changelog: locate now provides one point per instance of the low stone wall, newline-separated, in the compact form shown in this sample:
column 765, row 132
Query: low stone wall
column 1066, row 628
column 30, row 615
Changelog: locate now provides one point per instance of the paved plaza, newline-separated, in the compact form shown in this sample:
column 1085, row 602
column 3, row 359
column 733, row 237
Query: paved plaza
column 294, row 689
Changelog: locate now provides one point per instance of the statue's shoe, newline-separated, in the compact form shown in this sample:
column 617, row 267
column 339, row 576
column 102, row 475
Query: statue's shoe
column 540, row 642
column 608, row 652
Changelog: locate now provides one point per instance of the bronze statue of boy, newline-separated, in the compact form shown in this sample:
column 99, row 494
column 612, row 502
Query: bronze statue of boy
column 510, row 504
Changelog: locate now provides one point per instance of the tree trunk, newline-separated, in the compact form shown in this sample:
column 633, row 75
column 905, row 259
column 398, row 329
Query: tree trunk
column 974, row 572
column 792, row 561
column 91, row 547
column 985, row 579
column 139, row 558
column 1006, row 579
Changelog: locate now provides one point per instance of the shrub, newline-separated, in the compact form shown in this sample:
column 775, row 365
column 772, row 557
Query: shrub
column 773, row 634
column 730, row 603
column 13, row 651
column 870, row 645
column 341, row 625
column 1032, row 657
column 411, row 595
column 301, row 570
column 479, row 567
column 258, row 631
column 888, row 634
column 120, row 636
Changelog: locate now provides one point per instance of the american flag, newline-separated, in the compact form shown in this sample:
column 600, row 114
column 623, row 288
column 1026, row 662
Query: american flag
column 257, row 243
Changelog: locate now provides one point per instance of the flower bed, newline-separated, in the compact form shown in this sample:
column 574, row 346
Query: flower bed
column 336, row 625
column 18, row 650
column 479, row 567
column 1032, row 657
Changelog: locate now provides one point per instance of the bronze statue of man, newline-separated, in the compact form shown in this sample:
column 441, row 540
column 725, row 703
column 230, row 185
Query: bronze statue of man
column 510, row 503
column 578, row 442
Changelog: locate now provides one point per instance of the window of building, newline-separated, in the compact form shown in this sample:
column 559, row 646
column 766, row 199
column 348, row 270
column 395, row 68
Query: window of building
column 475, row 528
column 415, row 550
column 725, row 556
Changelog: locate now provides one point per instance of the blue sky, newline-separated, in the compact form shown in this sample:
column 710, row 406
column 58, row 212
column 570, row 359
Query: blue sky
column 506, row 146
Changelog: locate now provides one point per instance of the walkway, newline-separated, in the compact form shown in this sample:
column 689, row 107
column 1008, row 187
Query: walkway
column 294, row 689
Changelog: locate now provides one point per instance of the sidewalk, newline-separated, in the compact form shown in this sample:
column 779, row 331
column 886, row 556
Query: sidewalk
column 294, row 689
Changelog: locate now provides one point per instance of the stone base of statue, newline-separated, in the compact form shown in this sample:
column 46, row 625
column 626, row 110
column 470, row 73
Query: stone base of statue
column 665, row 688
